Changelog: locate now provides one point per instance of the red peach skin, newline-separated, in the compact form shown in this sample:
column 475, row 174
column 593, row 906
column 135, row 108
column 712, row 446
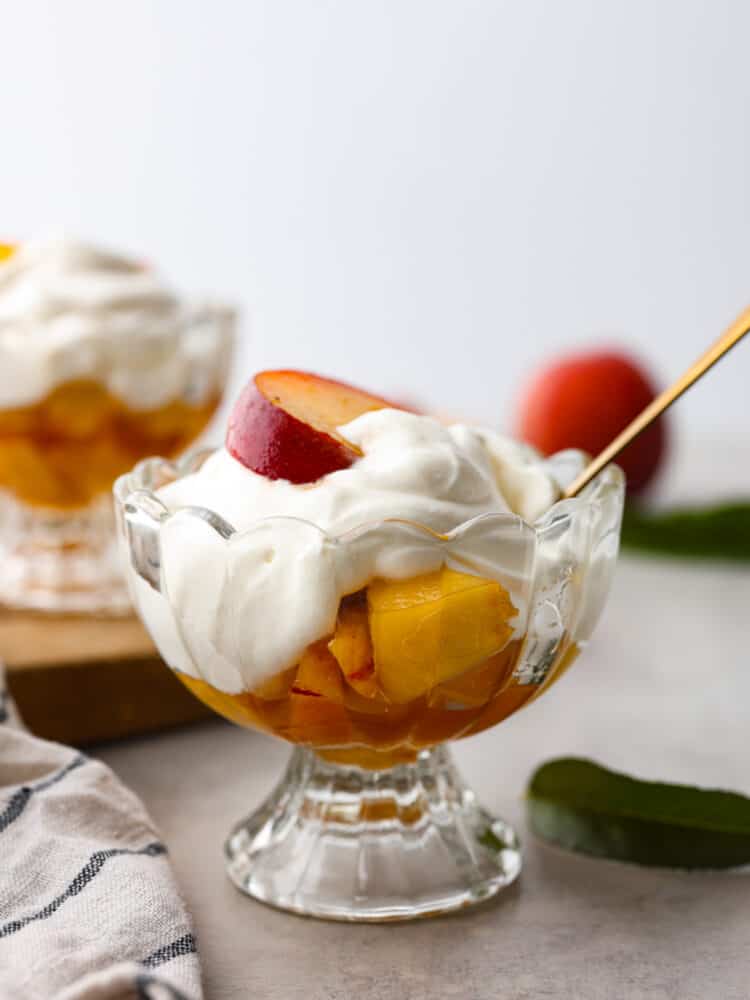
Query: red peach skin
column 284, row 425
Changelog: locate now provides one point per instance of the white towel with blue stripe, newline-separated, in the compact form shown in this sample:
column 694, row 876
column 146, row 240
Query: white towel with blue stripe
column 89, row 909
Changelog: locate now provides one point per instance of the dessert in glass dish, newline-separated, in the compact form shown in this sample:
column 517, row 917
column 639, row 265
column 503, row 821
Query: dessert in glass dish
column 367, row 584
column 100, row 366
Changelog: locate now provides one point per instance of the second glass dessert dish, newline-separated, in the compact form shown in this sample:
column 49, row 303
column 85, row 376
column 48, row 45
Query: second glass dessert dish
column 100, row 366
column 367, row 584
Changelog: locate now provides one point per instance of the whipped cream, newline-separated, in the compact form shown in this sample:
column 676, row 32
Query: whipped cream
column 252, row 570
column 70, row 311
column 412, row 467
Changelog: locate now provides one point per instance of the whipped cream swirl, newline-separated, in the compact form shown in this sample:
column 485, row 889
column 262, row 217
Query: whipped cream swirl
column 70, row 311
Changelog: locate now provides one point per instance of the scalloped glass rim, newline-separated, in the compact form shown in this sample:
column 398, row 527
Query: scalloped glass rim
column 136, row 492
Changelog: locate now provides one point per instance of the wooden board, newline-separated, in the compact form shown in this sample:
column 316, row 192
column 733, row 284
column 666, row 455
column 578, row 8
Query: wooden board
column 80, row 680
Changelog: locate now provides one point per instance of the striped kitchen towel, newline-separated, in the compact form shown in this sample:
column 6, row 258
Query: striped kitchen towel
column 89, row 909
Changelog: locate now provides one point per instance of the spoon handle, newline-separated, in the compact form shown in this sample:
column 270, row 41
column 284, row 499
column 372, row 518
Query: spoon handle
column 726, row 342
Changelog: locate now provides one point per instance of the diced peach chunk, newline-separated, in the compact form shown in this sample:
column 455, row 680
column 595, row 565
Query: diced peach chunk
column 318, row 675
column 317, row 721
column 317, row 712
column 21, row 420
column 277, row 686
column 472, row 688
column 476, row 687
column 77, row 409
column 352, row 648
column 434, row 627
column 237, row 708
column 27, row 471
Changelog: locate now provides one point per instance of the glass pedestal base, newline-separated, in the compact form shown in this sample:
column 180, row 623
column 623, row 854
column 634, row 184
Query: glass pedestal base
column 61, row 561
column 343, row 843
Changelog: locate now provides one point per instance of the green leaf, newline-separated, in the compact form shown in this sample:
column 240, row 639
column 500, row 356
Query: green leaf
column 584, row 807
column 717, row 532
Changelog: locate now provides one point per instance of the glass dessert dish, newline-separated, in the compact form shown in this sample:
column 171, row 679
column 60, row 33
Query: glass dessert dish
column 100, row 366
column 368, row 649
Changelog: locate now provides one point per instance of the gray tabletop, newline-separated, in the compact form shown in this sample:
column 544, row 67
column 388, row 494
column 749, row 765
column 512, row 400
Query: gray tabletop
column 662, row 691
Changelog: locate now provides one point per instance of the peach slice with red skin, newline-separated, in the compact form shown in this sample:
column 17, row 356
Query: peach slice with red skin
column 284, row 425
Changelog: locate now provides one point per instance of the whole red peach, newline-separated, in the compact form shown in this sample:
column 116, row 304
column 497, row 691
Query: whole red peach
column 584, row 401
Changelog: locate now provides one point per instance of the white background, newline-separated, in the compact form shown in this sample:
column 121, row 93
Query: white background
column 424, row 197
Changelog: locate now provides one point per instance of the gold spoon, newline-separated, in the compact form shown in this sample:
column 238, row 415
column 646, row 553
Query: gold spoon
column 733, row 335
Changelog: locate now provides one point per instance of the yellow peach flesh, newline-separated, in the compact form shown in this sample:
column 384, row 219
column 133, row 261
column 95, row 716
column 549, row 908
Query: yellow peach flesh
column 434, row 627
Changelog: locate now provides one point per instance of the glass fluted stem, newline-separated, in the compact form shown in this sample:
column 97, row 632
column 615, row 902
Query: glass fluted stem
column 345, row 843
column 61, row 561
